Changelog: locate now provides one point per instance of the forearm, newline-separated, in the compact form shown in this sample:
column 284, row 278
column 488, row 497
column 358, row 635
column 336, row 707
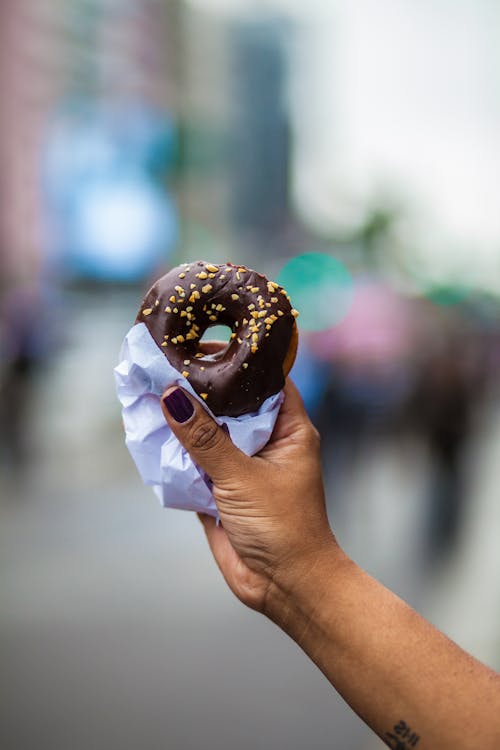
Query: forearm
column 406, row 680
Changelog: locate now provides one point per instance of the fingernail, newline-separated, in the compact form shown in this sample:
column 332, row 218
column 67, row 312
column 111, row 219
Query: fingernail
column 178, row 405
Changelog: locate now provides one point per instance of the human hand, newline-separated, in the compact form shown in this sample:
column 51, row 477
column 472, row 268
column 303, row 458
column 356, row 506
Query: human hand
column 279, row 556
column 271, row 505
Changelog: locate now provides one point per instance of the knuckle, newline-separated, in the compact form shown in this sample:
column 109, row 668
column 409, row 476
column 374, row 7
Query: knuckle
column 312, row 437
column 316, row 436
column 206, row 436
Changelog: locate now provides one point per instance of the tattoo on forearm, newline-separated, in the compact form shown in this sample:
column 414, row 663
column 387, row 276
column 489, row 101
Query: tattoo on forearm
column 401, row 737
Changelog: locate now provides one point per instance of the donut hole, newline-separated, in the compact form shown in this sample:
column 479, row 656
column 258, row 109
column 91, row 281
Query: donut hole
column 216, row 334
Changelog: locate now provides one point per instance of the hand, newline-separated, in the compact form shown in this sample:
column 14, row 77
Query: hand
column 271, row 505
column 278, row 555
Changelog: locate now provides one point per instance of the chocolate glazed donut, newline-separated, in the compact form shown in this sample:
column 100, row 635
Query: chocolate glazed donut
column 180, row 307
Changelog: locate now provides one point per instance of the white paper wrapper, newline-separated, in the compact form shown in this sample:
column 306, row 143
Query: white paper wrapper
column 141, row 378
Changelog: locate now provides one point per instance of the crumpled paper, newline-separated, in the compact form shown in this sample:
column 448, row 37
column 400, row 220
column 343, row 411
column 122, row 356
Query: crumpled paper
column 141, row 378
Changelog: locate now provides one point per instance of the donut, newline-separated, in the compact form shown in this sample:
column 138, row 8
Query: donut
column 190, row 298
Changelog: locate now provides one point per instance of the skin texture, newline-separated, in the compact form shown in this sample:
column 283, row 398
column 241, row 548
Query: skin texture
column 277, row 553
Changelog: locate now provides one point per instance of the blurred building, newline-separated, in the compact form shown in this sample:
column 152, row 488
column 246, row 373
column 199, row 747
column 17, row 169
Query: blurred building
column 260, row 134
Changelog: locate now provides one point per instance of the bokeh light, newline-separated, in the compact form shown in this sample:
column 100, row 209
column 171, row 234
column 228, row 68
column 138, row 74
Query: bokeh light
column 447, row 295
column 320, row 287
column 124, row 228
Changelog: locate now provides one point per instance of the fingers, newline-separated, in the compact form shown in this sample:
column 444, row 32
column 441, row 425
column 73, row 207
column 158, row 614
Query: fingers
column 223, row 552
column 293, row 406
column 208, row 445
column 216, row 537
column 293, row 421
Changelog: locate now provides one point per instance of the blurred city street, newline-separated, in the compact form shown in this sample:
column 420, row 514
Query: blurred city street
column 117, row 629
column 351, row 153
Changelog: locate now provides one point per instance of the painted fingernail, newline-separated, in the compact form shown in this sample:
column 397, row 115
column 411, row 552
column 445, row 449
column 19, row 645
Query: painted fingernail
column 179, row 406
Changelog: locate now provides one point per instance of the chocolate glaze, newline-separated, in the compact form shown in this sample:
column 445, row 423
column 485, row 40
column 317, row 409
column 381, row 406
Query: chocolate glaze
column 180, row 307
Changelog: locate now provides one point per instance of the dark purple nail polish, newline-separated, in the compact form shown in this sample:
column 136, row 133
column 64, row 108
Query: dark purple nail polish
column 179, row 406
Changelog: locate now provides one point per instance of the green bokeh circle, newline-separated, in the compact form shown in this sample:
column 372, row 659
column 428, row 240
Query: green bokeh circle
column 320, row 287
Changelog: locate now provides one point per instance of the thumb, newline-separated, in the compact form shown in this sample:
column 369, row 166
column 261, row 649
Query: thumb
column 207, row 443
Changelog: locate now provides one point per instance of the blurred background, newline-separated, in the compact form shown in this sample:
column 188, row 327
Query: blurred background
column 350, row 150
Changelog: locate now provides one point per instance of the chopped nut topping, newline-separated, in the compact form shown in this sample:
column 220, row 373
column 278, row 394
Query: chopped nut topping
column 254, row 289
column 235, row 296
column 157, row 303
column 242, row 269
column 183, row 313
column 187, row 361
column 274, row 299
column 199, row 354
column 182, row 275
column 212, row 268
column 171, row 299
column 254, row 348
column 245, row 365
column 254, row 314
column 295, row 313
column 185, row 373
column 193, row 286
column 204, row 396
column 202, row 275
column 147, row 311
column 168, row 309
column 213, row 318
column 174, row 341
column 280, row 312
column 180, row 339
column 255, row 337
column 251, row 306
column 207, row 288
column 164, row 343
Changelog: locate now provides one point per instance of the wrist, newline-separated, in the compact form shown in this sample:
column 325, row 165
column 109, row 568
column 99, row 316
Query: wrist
column 299, row 591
